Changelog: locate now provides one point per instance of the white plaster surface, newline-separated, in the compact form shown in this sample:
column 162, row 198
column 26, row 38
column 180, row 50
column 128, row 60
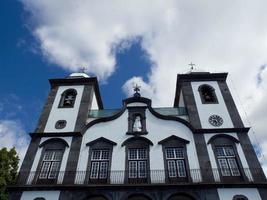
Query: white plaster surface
column 68, row 114
column 94, row 103
column 48, row 195
column 158, row 130
column 38, row 156
column 206, row 110
column 229, row 193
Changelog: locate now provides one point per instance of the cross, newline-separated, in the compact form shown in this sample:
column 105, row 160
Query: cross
column 192, row 66
column 83, row 69
column 137, row 88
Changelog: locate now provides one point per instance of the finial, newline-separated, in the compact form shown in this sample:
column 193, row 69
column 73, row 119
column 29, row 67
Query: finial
column 137, row 90
column 191, row 66
column 83, row 69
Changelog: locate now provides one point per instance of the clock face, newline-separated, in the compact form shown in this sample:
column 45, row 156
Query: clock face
column 215, row 120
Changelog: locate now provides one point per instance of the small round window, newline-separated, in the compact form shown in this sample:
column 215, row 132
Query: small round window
column 60, row 124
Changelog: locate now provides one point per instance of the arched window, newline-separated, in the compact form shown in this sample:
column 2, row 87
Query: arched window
column 228, row 161
column 207, row 94
column 240, row 197
column 137, row 159
column 175, row 158
column 68, row 98
column 99, row 160
column 50, row 162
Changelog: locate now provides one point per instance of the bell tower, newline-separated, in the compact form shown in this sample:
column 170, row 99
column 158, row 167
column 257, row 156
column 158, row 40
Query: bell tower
column 68, row 103
column 208, row 100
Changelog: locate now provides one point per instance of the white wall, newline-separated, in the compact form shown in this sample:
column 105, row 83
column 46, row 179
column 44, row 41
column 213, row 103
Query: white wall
column 206, row 110
column 48, row 195
column 94, row 103
column 229, row 193
column 239, row 151
column 158, row 130
column 38, row 156
column 68, row 114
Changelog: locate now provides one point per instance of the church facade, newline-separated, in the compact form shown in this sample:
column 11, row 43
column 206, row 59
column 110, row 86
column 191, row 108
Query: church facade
column 198, row 149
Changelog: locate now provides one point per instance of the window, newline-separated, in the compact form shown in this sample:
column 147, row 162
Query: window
column 207, row 94
column 99, row 164
column 50, row 164
column 68, row 98
column 137, row 159
column 100, row 153
column 175, row 159
column 227, row 161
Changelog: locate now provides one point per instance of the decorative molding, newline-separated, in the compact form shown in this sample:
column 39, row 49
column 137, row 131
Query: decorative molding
column 222, row 136
column 54, row 140
column 173, row 137
column 101, row 139
column 131, row 139
column 55, row 134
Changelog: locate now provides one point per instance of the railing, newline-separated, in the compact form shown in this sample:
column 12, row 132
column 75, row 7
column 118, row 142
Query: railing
column 121, row 177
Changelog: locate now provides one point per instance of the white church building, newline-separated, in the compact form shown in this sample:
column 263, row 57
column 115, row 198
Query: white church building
column 199, row 149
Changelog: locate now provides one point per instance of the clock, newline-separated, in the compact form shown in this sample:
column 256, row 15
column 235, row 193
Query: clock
column 215, row 120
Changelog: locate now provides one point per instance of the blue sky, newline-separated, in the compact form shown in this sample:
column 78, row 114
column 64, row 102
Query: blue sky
column 24, row 72
column 124, row 43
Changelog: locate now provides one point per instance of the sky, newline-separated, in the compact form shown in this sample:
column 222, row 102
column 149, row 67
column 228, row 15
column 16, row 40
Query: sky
column 126, row 42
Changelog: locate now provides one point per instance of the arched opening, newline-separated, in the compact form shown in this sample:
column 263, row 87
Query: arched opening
column 207, row 94
column 68, row 98
column 240, row 197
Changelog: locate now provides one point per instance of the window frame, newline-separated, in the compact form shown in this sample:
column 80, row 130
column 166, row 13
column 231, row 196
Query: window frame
column 100, row 144
column 137, row 142
column 227, row 141
column 239, row 196
column 53, row 144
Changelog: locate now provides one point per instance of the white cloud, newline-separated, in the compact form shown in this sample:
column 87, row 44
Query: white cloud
column 13, row 135
column 228, row 36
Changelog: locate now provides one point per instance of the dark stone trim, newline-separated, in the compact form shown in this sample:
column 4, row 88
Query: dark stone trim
column 80, row 81
column 223, row 130
column 72, row 162
column 191, row 106
column 101, row 139
column 85, row 106
column 202, row 76
column 263, row 193
column 251, row 157
column 56, row 134
column 173, row 137
column 203, row 158
column 131, row 139
column 262, row 185
column 54, row 140
column 230, row 105
column 137, row 99
column 223, row 136
column 14, row 195
column 46, row 109
column 28, row 160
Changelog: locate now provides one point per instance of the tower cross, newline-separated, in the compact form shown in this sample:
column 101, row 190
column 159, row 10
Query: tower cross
column 137, row 88
column 83, row 69
column 191, row 66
